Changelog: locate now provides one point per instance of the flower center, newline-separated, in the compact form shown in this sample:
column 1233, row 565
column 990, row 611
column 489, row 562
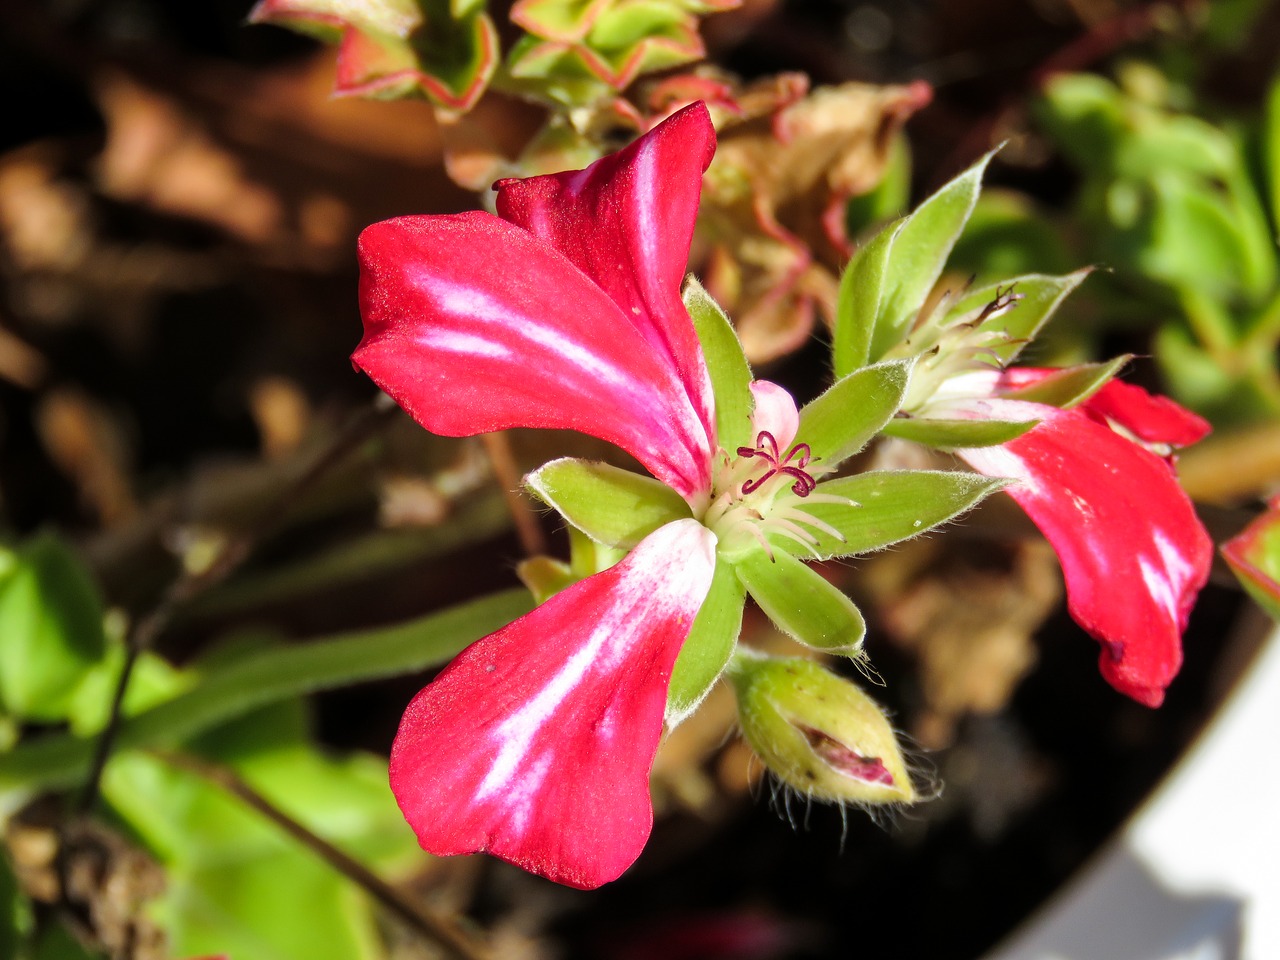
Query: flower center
column 762, row 492
column 766, row 448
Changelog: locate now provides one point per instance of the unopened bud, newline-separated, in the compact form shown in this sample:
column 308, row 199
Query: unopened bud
column 817, row 732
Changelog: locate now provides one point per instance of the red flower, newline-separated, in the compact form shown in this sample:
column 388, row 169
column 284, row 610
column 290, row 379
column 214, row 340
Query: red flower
column 536, row 743
column 1097, row 479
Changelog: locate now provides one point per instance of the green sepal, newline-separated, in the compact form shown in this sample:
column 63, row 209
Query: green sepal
column 545, row 577
column 858, row 302
column 919, row 252
column 840, row 422
column 891, row 505
column 587, row 557
column 953, row 434
column 1040, row 294
column 710, row 644
column 726, row 363
column 51, row 633
column 1066, row 388
column 610, row 505
column 801, row 602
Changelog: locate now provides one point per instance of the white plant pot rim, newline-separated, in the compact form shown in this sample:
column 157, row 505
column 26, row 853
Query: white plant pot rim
column 1195, row 875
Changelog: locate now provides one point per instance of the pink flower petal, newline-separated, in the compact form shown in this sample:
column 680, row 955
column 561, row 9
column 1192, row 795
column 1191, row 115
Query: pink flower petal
column 1152, row 418
column 774, row 412
column 1133, row 553
column 473, row 324
column 627, row 221
column 535, row 743
column 1149, row 417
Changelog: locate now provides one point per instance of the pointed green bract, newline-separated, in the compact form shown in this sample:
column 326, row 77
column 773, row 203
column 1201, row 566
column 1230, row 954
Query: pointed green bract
column 610, row 505
column 892, row 505
column 710, row 644
column 1039, row 296
column 726, row 363
column 801, row 603
column 1066, row 388
column 919, row 252
column 953, row 434
column 858, row 304
column 840, row 422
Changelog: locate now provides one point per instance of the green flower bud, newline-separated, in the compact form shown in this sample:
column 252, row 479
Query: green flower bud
column 817, row 732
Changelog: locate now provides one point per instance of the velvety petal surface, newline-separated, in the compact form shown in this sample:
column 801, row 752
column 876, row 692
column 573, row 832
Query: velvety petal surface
column 535, row 743
column 1133, row 553
column 472, row 324
column 627, row 221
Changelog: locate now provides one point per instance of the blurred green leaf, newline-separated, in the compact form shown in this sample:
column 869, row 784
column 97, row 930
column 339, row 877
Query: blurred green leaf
column 51, row 620
column 269, row 676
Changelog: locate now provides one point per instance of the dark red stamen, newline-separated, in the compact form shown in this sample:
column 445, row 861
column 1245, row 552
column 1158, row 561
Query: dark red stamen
column 767, row 449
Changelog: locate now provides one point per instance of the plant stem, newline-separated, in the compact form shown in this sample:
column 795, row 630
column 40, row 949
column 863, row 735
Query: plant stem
column 232, row 551
column 441, row 930
column 498, row 448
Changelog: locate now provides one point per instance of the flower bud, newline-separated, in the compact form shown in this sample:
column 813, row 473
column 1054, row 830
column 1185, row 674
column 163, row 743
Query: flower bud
column 817, row 732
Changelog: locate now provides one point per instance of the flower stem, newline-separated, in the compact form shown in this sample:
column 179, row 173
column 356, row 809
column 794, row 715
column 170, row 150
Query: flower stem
column 440, row 930
column 498, row 448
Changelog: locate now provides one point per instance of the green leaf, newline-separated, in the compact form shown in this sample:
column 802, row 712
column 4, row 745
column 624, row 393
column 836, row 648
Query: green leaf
column 919, row 252
column 710, row 644
column 1039, row 296
column 858, row 304
column 727, row 364
column 1066, row 388
column 888, row 506
column 1271, row 150
column 51, row 621
column 801, row 603
column 1254, row 557
column 953, row 434
column 269, row 676
column 610, row 505
column 840, row 422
